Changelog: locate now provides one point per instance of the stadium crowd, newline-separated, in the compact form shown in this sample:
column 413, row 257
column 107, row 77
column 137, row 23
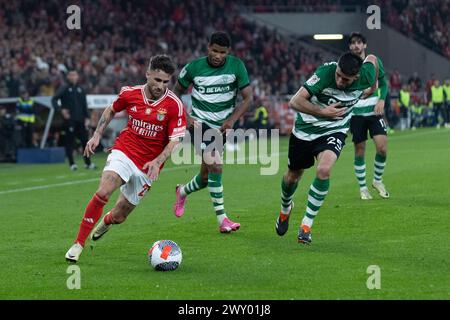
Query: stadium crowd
column 426, row 21
column 112, row 50
column 116, row 39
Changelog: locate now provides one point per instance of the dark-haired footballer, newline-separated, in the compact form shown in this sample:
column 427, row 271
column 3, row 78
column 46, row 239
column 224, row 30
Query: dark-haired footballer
column 368, row 117
column 156, row 123
column 216, row 81
column 324, row 107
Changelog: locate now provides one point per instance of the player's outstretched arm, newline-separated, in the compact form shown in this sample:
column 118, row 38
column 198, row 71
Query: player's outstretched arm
column 300, row 102
column 153, row 166
column 105, row 119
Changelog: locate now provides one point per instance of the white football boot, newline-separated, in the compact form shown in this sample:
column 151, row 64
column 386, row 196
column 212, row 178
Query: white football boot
column 74, row 252
column 381, row 189
column 100, row 230
column 365, row 194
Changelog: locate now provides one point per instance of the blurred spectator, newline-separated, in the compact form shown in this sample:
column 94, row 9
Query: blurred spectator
column 447, row 101
column 437, row 99
column 417, row 115
column 261, row 118
column 414, row 82
column 26, row 118
column 404, row 101
column 7, row 136
column 395, row 81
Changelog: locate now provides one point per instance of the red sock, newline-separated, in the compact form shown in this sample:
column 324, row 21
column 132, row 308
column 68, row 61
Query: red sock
column 93, row 212
column 108, row 218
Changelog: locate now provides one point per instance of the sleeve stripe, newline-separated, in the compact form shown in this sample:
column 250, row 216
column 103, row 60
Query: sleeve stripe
column 176, row 137
column 178, row 101
column 182, row 134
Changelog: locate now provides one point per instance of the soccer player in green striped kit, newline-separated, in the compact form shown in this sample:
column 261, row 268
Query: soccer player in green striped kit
column 368, row 116
column 216, row 80
column 324, row 106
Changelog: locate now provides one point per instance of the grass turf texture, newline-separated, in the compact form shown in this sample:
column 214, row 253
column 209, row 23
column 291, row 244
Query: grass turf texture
column 406, row 236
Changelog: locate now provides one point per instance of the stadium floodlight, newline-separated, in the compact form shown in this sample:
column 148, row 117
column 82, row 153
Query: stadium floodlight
column 328, row 37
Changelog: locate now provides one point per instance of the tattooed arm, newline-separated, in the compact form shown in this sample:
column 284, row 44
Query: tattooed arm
column 154, row 165
column 93, row 143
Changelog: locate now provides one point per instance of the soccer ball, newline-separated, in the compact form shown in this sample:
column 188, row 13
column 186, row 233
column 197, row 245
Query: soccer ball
column 165, row 255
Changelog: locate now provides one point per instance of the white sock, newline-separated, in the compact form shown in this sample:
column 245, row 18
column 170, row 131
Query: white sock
column 286, row 210
column 307, row 221
column 220, row 218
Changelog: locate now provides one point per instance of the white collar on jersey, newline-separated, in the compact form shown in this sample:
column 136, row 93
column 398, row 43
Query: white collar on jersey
column 150, row 101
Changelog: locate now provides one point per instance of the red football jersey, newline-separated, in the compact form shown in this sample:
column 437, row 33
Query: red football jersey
column 151, row 124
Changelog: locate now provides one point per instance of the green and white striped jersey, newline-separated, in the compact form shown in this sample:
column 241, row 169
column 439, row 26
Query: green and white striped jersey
column 365, row 107
column 215, row 89
column 324, row 91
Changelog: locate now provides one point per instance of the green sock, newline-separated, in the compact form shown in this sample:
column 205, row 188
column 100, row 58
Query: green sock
column 216, row 191
column 195, row 184
column 287, row 193
column 316, row 196
column 360, row 171
column 380, row 163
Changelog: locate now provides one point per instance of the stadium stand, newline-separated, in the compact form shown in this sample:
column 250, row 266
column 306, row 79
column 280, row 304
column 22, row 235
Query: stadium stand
column 117, row 38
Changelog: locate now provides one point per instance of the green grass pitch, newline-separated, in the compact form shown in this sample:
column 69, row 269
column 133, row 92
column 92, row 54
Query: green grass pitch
column 407, row 236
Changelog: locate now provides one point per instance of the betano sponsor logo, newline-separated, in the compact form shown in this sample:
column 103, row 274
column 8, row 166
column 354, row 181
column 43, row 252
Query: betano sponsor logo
column 217, row 89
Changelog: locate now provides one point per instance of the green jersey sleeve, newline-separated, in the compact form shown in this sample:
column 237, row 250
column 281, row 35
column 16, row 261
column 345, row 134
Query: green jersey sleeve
column 382, row 83
column 320, row 79
column 367, row 75
column 185, row 76
column 242, row 76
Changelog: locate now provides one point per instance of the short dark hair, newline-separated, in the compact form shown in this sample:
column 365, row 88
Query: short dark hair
column 357, row 35
column 220, row 38
column 350, row 63
column 162, row 62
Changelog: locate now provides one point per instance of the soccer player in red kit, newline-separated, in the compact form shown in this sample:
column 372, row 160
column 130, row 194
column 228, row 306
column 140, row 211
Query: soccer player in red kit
column 156, row 123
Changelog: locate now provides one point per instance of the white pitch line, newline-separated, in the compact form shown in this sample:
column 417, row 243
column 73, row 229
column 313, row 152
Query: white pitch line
column 46, row 186
column 68, row 183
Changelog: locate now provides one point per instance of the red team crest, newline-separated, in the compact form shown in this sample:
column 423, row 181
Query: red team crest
column 147, row 131
column 161, row 114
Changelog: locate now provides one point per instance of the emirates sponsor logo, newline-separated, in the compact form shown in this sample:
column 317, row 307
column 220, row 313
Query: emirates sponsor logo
column 144, row 128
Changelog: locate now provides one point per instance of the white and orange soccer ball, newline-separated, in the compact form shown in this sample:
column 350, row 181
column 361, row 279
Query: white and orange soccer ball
column 165, row 255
